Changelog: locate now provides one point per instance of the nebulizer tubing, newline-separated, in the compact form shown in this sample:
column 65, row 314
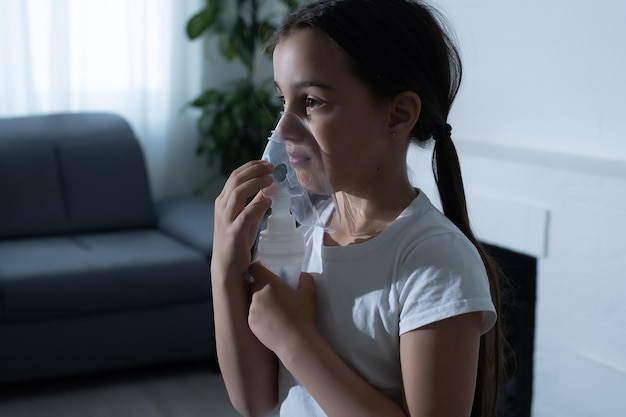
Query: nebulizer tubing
column 300, row 192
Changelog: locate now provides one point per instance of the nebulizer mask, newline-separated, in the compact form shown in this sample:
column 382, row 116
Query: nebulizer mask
column 299, row 173
column 300, row 192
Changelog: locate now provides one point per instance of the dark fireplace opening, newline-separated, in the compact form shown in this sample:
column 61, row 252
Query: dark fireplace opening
column 518, row 321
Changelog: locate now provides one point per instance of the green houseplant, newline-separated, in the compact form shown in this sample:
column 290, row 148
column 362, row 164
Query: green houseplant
column 237, row 116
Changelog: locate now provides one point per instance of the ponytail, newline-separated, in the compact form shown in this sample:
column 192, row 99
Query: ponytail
column 491, row 361
column 451, row 191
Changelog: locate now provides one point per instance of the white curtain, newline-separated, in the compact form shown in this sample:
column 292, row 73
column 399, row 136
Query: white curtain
column 130, row 57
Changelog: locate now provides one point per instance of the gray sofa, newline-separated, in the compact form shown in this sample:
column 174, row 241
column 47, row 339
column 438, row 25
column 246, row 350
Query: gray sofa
column 93, row 274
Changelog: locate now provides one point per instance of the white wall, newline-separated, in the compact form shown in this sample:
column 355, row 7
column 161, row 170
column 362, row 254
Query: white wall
column 543, row 74
column 539, row 125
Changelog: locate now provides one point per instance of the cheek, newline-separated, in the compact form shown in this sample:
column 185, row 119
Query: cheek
column 338, row 151
column 313, row 175
column 333, row 142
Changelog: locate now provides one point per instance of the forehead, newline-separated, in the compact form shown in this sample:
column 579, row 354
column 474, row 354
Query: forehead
column 308, row 54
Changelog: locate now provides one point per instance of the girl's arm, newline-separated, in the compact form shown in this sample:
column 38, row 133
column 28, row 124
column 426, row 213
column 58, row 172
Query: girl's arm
column 439, row 366
column 439, row 361
column 249, row 369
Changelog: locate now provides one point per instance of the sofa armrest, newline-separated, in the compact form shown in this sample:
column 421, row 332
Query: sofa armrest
column 189, row 220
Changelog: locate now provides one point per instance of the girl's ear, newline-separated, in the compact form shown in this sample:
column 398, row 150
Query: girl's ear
column 404, row 110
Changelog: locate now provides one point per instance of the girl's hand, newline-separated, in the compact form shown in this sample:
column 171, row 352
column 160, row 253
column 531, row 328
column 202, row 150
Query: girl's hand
column 236, row 224
column 281, row 316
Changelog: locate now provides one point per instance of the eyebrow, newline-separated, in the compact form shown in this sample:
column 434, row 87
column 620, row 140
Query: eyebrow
column 308, row 83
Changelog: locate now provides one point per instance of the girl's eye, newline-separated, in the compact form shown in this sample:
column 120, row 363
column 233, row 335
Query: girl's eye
column 312, row 104
column 309, row 103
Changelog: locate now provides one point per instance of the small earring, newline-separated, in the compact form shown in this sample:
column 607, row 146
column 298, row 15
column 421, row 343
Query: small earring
column 393, row 135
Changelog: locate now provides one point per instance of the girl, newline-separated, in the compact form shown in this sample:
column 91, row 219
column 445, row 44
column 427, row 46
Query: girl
column 395, row 313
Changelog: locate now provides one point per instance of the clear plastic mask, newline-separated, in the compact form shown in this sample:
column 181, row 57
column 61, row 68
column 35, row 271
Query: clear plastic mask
column 299, row 172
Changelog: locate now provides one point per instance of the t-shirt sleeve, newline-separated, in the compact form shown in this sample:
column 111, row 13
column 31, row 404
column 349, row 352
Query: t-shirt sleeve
column 442, row 277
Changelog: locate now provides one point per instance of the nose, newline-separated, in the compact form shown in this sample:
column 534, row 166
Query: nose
column 292, row 128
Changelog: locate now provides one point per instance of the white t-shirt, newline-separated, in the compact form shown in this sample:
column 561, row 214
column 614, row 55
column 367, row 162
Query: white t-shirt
column 419, row 270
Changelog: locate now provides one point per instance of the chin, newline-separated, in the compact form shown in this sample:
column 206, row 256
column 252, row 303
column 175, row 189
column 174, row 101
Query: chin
column 312, row 181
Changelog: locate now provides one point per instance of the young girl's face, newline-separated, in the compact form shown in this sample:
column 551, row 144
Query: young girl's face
column 348, row 130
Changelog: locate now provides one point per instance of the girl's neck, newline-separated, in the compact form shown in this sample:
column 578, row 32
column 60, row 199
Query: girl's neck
column 366, row 214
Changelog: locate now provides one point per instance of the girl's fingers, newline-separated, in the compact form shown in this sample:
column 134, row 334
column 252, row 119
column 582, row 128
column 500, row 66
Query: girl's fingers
column 262, row 276
column 240, row 175
column 258, row 206
column 306, row 283
column 245, row 173
column 254, row 211
column 242, row 184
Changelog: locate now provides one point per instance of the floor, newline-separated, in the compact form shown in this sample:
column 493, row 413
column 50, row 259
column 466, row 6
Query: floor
column 179, row 390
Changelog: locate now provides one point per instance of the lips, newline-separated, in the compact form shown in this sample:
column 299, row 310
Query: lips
column 298, row 158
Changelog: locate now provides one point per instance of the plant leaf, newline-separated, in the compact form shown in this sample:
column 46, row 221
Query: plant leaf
column 246, row 46
column 206, row 98
column 201, row 21
column 228, row 46
column 228, row 14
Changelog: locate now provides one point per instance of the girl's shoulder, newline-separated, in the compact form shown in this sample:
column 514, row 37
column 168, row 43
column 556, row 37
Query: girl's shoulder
column 421, row 221
column 423, row 235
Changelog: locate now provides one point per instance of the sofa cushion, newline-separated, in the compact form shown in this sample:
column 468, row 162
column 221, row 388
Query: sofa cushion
column 71, row 172
column 31, row 192
column 104, row 175
column 189, row 220
column 57, row 277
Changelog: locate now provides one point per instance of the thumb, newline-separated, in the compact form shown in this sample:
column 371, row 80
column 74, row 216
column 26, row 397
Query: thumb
column 259, row 205
column 261, row 274
column 307, row 283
